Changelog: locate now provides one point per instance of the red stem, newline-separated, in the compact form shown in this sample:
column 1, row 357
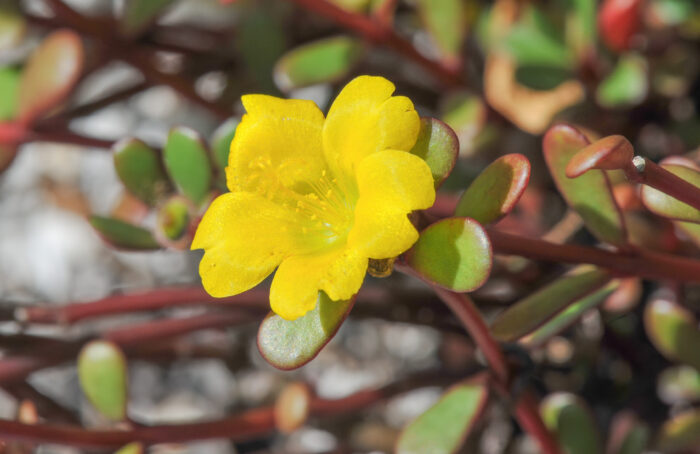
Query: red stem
column 68, row 137
column 527, row 413
column 651, row 174
column 646, row 264
column 379, row 32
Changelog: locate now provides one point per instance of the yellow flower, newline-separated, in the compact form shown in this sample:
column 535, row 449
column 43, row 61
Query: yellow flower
column 313, row 197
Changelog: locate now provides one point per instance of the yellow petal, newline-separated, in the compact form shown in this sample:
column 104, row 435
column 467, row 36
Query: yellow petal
column 391, row 184
column 245, row 236
column 364, row 119
column 278, row 142
column 298, row 280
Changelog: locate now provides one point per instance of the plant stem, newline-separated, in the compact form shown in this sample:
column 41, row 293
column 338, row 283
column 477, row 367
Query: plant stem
column 638, row 262
column 647, row 172
column 526, row 410
column 381, row 33
column 248, row 425
column 68, row 137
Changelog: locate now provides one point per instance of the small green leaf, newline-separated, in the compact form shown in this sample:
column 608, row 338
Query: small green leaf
column 570, row 419
column 123, row 235
column 173, row 222
column 563, row 319
column 581, row 27
column 131, row 448
column 187, row 162
column 664, row 205
column 438, row 146
column 673, row 330
column 542, row 78
column 494, row 193
column 626, row 85
column 531, row 312
column 140, row 169
column 103, row 377
column 590, row 194
column 445, row 20
column 608, row 153
column 466, row 114
column 443, row 428
column 454, row 253
column 9, row 83
column 221, row 143
column 679, row 434
column 534, row 41
column 323, row 61
column 291, row 344
column 50, row 74
column 139, row 14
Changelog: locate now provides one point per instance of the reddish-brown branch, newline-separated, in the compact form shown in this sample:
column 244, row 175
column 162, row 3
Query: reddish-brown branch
column 381, row 33
column 68, row 137
column 525, row 407
column 647, row 172
column 245, row 426
column 642, row 263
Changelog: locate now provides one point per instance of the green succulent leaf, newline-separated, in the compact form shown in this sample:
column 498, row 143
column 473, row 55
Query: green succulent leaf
column 628, row 435
column 139, row 14
column 50, row 74
column 534, row 41
column 186, row 159
column 9, row 83
column 221, row 144
column 443, row 428
column 103, row 377
column 664, row 205
column 454, row 253
column 291, row 344
column 140, row 169
column 673, row 330
column 627, row 85
column 323, row 61
column 445, row 20
column 679, row 384
column 680, row 433
column 494, row 193
column 533, row 311
column 123, row 235
column 131, row 448
column 573, row 312
column 438, row 146
column 173, row 218
column 572, row 421
column 590, row 194
column 465, row 113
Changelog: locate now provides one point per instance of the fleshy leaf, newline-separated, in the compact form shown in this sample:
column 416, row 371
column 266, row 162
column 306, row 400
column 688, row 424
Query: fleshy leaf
column 627, row 434
column 9, row 83
column 445, row 21
column 221, row 143
column 291, row 344
column 664, row 205
column 494, row 193
column 12, row 28
column 590, row 194
column 261, row 42
column 608, row 153
column 437, row 144
column 565, row 318
column 173, row 222
column 533, row 41
column 123, row 235
column 140, row 169
column 680, row 433
column 131, row 448
column 292, row 407
column 531, row 312
column 466, row 114
column 618, row 21
column 103, row 378
column 443, row 428
column 454, row 253
column 626, row 85
column 187, row 162
column 50, row 74
column 323, row 61
column 581, row 27
column 673, row 330
column 138, row 14
column 572, row 421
